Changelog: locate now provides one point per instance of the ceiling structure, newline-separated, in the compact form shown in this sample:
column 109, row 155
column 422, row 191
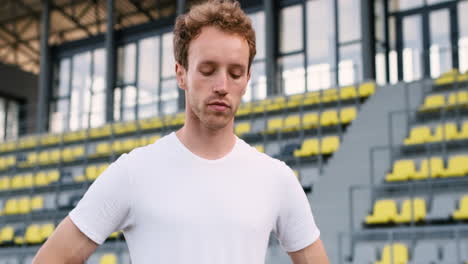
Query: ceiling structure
column 70, row 20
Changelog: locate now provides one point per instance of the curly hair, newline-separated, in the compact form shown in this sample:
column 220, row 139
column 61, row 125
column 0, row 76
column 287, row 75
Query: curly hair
column 226, row 15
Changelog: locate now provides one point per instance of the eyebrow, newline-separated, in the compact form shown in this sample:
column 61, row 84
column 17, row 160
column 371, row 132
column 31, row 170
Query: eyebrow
column 210, row 62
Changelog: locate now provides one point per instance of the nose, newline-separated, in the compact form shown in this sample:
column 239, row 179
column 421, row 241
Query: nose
column 221, row 84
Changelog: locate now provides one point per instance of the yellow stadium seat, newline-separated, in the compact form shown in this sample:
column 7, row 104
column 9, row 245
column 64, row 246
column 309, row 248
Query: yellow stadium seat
column 418, row 135
column 366, row 89
column 55, row 156
column 50, row 139
column 329, row 95
column 348, row 92
column 153, row 139
column 308, row 148
column 457, row 99
column 33, row 234
column 432, row 102
column 41, row 179
column 295, row 100
column 102, row 149
column 142, row 141
column 19, row 239
column 24, row 205
column 384, row 212
column 37, row 203
column 28, row 180
column 445, row 132
column 276, row 104
column 114, row 235
column 348, row 114
column 47, row 230
column 91, row 172
column 43, row 157
column 312, row 98
column 7, row 234
column 11, row 207
column 117, row 147
column 4, row 183
column 244, row 109
column 310, row 120
column 330, row 144
column 329, row 118
column 260, row 148
column 80, row 178
column 8, row 146
column 17, row 182
column 464, row 131
column 108, row 259
column 123, row 128
column 150, row 123
column 27, row 142
column 292, row 123
column 242, row 128
column 448, row 77
column 78, row 152
column 260, row 106
column 31, row 160
column 174, row 120
column 419, row 213
column 462, row 212
column 67, row 154
column 274, row 125
column 74, row 136
column 457, row 166
column 102, row 168
column 129, row 144
column 402, row 171
column 53, row 176
column 436, row 165
column 394, row 254
column 102, row 131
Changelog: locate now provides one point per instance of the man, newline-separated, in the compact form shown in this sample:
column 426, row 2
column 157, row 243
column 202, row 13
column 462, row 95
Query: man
column 201, row 194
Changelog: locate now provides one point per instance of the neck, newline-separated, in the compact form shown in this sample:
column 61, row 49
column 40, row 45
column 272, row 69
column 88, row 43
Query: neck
column 207, row 143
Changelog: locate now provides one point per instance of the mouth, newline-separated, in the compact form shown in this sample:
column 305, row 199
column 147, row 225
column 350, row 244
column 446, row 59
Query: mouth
column 218, row 106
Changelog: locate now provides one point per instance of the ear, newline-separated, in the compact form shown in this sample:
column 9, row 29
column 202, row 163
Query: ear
column 181, row 75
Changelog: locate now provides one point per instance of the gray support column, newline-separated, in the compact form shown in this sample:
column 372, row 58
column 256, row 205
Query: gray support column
column 181, row 6
column 110, row 62
column 368, row 43
column 44, row 75
column 271, row 40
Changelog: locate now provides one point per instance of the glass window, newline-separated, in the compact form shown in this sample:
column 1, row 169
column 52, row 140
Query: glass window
column 169, row 95
column 12, row 120
column 168, row 62
column 412, row 48
column 350, row 70
column 126, row 56
column 292, row 69
column 148, row 77
column 440, row 53
column 291, row 29
column 258, row 22
column 400, row 5
column 463, row 38
column 257, row 86
column 80, row 95
column 349, row 13
column 320, row 44
column 98, row 97
column 62, row 88
column 129, row 103
column 2, row 118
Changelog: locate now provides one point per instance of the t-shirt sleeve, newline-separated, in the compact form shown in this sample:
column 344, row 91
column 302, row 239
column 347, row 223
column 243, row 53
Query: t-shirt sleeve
column 295, row 226
column 106, row 205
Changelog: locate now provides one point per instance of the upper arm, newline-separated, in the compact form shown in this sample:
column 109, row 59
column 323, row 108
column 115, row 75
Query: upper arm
column 313, row 254
column 66, row 245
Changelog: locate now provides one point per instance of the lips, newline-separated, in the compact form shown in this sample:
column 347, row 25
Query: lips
column 219, row 106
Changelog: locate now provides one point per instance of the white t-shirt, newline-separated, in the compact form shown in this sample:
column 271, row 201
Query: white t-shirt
column 176, row 207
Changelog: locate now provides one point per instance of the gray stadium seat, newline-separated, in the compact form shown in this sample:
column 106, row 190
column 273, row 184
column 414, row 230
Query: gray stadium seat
column 425, row 252
column 442, row 208
column 449, row 253
column 364, row 253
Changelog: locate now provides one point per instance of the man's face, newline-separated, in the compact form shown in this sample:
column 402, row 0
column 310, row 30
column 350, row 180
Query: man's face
column 217, row 76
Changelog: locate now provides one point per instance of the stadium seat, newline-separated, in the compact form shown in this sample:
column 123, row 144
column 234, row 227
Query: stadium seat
column 445, row 132
column 274, row 125
column 276, row 104
column 448, row 77
column 5, row 183
column 310, row 120
column 244, row 109
column 407, row 213
column 117, row 147
column 292, row 123
column 309, row 147
column 457, row 166
column 449, row 252
column 436, row 165
column 7, row 234
column 37, row 203
column 8, row 146
column 44, row 158
column 17, row 182
column 31, row 160
column 425, row 252
column 28, row 180
column 78, row 152
column 11, row 207
column 102, row 149
column 27, row 142
column 102, row 168
column 432, row 102
column 458, row 99
column 47, row 230
column 50, row 139
column 102, row 131
column 418, row 135
column 396, row 253
column 442, row 208
column 312, row 98
column 153, row 139
column 150, row 123
column 24, row 205
column 364, row 253
column 384, row 212
column 464, row 131
column 329, row 118
column 142, row 141
column 19, row 236
column 129, row 144
column 41, row 179
column 55, row 156
column 329, row 145
column 260, row 106
column 74, row 136
column 91, row 172
column 109, row 258
column 402, row 171
column 329, row 95
column 124, row 127
column 348, row 92
column 67, row 154
column 462, row 212
column 347, row 115
column 33, row 234
column 114, row 235
column 260, row 148
column 295, row 100
column 242, row 128
column 366, row 89
column 53, row 176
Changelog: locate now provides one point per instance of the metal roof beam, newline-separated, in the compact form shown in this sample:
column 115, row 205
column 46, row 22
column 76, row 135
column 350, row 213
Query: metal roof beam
column 140, row 9
column 72, row 19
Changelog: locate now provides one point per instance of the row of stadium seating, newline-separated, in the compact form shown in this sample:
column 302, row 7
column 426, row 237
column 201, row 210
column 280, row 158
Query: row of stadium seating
column 445, row 101
column 424, row 252
column 269, row 104
column 451, row 77
column 385, row 211
column 308, row 120
column 29, row 180
column 22, row 205
column 405, row 169
column 443, row 132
